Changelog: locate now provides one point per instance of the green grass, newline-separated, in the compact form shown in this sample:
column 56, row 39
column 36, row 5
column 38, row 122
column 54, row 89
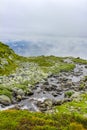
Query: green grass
column 51, row 64
column 7, row 55
column 79, row 60
column 5, row 91
column 77, row 106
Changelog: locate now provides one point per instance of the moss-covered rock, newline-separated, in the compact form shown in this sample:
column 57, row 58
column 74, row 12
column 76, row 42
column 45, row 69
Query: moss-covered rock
column 5, row 100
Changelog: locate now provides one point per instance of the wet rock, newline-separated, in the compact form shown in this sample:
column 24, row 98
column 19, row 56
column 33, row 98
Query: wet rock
column 86, row 66
column 39, row 90
column 54, row 94
column 67, row 100
column 48, row 102
column 59, row 89
column 11, row 76
column 54, row 85
column 69, row 83
column 64, row 79
column 5, row 100
column 46, row 83
column 45, row 105
column 44, row 92
column 19, row 97
column 16, row 107
column 61, row 101
column 29, row 92
column 58, row 102
column 77, row 73
column 20, row 92
column 48, row 88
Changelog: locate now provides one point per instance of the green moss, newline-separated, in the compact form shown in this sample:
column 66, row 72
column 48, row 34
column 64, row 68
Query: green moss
column 76, row 126
column 25, row 120
column 68, row 94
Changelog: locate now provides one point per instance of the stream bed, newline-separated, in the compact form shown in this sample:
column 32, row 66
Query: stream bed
column 53, row 91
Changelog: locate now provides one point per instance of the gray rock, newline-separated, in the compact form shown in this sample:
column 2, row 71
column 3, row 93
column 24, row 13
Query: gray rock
column 75, row 95
column 67, row 100
column 45, row 105
column 48, row 88
column 58, row 102
column 14, row 89
column 69, row 83
column 46, row 83
column 29, row 92
column 54, row 94
column 48, row 102
column 68, row 61
column 20, row 92
column 5, row 100
column 19, row 97
column 86, row 66
column 17, row 107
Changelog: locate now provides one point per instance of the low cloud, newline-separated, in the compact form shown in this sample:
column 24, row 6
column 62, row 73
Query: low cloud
column 62, row 46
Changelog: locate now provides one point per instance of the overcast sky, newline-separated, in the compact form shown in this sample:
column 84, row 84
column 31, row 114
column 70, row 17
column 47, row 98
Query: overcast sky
column 21, row 19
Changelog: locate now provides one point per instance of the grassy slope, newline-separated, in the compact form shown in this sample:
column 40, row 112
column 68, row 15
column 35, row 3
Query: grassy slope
column 64, row 119
column 24, row 120
column 7, row 59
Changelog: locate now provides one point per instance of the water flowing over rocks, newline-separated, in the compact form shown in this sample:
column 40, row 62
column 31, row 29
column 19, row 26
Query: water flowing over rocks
column 43, row 96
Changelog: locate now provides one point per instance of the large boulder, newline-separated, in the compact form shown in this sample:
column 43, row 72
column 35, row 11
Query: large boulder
column 5, row 100
column 17, row 91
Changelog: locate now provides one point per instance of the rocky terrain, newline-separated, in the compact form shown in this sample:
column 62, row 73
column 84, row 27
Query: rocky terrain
column 42, row 93
column 31, row 88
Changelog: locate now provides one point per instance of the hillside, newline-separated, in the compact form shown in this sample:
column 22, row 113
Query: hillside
column 7, row 59
column 53, row 90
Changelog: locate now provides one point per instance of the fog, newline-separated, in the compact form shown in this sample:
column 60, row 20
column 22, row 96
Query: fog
column 53, row 27
column 58, row 46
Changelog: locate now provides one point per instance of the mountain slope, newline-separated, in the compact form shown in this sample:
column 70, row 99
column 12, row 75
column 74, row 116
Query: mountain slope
column 42, row 84
column 7, row 59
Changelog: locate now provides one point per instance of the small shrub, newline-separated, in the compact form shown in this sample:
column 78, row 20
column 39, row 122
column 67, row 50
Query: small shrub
column 68, row 94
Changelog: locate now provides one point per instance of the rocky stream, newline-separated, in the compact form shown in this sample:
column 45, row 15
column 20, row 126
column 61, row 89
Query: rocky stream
column 53, row 90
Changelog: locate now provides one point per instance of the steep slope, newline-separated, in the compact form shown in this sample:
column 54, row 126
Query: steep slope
column 7, row 59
